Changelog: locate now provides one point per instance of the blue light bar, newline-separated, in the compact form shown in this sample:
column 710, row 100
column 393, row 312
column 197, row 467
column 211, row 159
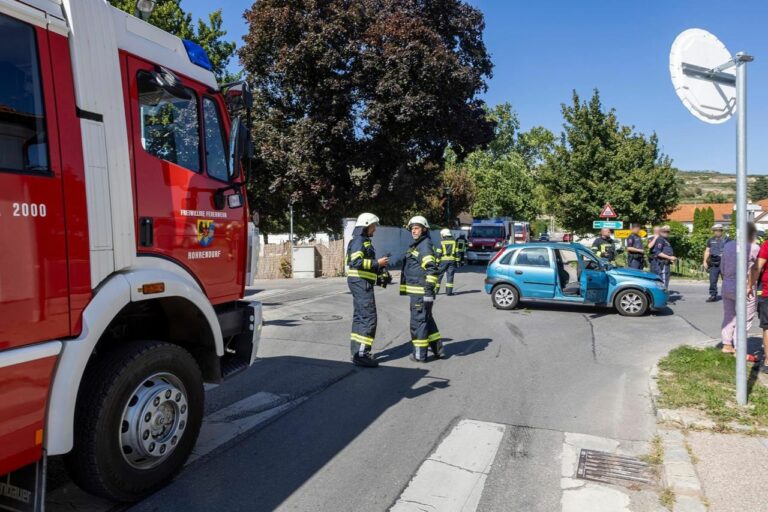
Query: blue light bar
column 197, row 55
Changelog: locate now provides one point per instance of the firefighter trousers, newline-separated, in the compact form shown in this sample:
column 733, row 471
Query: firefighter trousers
column 447, row 269
column 363, row 317
column 424, row 333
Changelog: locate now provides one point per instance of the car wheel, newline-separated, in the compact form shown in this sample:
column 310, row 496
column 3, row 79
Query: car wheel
column 138, row 415
column 631, row 303
column 505, row 297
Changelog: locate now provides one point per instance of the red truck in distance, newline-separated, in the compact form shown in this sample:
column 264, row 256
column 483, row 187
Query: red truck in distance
column 127, row 256
column 488, row 236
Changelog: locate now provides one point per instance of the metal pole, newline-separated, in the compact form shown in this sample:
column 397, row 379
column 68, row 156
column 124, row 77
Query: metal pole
column 741, row 228
column 290, row 209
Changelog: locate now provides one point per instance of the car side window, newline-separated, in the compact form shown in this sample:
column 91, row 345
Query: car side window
column 507, row 257
column 533, row 257
column 216, row 159
column 589, row 261
column 169, row 125
column 23, row 139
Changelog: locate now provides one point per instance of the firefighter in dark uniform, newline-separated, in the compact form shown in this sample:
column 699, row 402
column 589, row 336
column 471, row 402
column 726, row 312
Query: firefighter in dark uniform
column 635, row 249
column 461, row 251
column 419, row 281
column 712, row 256
column 362, row 273
column 604, row 245
column 448, row 260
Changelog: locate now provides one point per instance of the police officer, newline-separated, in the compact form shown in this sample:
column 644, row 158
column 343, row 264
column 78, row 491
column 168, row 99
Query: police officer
column 419, row 280
column 604, row 245
column 461, row 250
column 662, row 255
column 362, row 270
column 448, row 260
column 712, row 255
column 635, row 250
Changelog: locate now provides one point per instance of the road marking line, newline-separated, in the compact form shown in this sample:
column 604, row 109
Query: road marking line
column 453, row 477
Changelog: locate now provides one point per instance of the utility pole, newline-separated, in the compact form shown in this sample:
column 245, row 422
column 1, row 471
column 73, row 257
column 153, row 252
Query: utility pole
column 448, row 192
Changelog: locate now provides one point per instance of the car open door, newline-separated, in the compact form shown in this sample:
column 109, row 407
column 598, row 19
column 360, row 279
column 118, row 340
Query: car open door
column 594, row 280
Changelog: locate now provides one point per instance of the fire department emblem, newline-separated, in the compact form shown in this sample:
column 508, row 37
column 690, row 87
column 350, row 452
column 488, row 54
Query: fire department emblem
column 205, row 230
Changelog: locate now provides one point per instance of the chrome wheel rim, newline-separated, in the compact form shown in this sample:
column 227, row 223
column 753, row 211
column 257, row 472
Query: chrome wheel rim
column 153, row 421
column 631, row 303
column 505, row 297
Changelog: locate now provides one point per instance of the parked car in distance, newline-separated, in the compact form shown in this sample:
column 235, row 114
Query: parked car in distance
column 567, row 237
column 544, row 237
column 569, row 273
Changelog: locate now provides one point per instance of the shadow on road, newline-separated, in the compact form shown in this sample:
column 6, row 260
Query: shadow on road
column 466, row 347
column 466, row 292
column 261, row 471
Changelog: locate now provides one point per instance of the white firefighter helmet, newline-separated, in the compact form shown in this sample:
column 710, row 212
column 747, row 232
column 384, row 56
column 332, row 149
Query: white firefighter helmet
column 365, row 220
column 421, row 221
column 446, row 233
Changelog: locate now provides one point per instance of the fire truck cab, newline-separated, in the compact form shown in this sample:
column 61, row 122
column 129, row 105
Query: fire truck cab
column 125, row 250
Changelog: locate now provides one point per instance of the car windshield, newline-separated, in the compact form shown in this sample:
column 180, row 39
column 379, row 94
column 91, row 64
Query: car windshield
column 519, row 229
column 487, row 232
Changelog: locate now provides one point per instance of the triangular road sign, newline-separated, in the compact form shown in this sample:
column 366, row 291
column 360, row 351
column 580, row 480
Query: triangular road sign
column 608, row 212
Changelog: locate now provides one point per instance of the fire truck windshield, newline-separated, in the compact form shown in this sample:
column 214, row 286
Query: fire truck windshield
column 486, row 232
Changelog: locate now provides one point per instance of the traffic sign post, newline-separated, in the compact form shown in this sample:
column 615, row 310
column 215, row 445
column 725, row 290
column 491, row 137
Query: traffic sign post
column 610, row 224
column 697, row 63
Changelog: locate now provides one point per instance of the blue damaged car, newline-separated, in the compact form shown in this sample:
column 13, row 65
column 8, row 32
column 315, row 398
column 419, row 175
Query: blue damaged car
column 569, row 273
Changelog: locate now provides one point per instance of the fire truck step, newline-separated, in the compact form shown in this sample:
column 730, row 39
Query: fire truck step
column 231, row 365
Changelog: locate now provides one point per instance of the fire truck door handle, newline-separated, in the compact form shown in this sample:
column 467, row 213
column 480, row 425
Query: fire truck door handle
column 146, row 232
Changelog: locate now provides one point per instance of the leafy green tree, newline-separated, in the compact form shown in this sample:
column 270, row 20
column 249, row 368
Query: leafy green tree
column 709, row 219
column 716, row 197
column 697, row 214
column 169, row 16
column 598, row 160
column 356, row 102
column 680, row 239
column 759, row 189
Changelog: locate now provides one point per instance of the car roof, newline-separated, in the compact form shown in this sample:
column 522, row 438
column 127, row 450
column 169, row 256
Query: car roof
column 553, row 245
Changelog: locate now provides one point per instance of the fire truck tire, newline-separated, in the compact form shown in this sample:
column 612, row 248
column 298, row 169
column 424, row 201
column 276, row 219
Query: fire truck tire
column 137, row 419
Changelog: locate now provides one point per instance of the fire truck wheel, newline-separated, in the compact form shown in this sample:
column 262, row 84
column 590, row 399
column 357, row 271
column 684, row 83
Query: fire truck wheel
column 138, row 416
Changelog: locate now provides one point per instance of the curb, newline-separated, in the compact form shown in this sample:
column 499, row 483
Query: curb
column 678, row 472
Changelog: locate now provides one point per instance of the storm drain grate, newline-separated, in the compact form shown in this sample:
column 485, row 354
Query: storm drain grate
column 613, row 469
column 320, row 317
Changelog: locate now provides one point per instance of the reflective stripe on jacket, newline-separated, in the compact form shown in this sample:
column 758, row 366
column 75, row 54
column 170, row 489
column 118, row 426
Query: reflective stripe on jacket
column 419, row 276
column 361, row 258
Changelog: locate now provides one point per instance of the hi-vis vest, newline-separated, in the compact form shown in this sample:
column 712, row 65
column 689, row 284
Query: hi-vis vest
column 448, row 250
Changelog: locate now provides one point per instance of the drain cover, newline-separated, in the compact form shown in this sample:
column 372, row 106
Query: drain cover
column 321, row 317
column 613, row 469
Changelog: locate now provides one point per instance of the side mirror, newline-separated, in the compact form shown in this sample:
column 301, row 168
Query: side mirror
column 237, row 96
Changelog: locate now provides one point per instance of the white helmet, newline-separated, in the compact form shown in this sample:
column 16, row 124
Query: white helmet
column 366, row 219
column 421, row 221
column 446, row 233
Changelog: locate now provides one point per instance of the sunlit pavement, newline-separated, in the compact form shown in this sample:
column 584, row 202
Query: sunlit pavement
column 305, row 430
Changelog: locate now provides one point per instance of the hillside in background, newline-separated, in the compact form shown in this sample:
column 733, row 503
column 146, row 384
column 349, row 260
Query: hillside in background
column 709, row 186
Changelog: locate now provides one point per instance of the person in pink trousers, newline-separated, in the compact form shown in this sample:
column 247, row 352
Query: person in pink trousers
column 728, row 270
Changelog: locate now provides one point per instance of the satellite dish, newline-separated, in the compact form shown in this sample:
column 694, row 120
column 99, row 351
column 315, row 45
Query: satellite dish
column 707, row 92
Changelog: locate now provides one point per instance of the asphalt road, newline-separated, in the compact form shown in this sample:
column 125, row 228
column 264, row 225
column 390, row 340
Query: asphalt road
column 351, row 439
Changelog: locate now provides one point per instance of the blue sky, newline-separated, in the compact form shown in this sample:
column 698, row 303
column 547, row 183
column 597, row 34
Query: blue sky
column 542, row 50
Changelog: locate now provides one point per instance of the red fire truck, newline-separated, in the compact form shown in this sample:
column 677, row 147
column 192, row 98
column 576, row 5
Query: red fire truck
column 125, row 250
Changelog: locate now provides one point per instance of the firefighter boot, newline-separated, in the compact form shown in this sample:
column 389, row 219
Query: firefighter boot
column 437, row 348
column 361, row 355
column 419, row 355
